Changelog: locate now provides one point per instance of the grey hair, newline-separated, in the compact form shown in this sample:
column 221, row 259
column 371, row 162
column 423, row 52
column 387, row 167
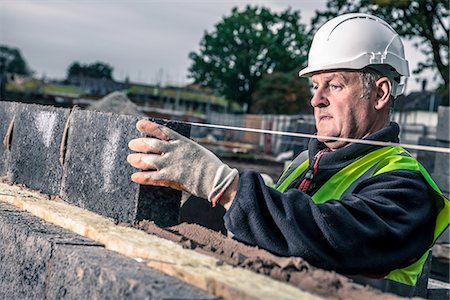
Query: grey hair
column 368, row 78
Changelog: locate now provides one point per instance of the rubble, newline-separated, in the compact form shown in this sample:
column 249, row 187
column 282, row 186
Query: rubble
column 116, row 102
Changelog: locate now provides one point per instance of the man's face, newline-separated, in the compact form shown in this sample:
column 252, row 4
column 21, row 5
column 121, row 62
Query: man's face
column 340, row 109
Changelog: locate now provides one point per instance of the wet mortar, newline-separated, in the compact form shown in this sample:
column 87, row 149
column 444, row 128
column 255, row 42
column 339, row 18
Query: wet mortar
column 293, row 270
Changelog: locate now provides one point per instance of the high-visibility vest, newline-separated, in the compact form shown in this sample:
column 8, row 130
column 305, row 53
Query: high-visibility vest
column 383, row 160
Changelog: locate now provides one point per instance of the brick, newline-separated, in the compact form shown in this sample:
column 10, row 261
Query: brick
column 39, row 260
column 441, row 174
column 442, row 180
column 442, row 165
column 95, row 273
column 210, row 217
column 34, row 158
column 442, row 131
column 445, row 237
column 25, row 250
column 427, row 158
column 97, row 175
column 7, row 110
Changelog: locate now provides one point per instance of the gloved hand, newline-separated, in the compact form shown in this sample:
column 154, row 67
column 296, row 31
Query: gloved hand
column 172, row 160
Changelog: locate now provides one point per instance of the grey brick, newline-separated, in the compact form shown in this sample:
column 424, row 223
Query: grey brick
column 95, row 273
column 445, row 237
column 35, row 153
column 97, row 175
column 442, row 131
column 427, row 158
column 442, row 180
column 7, row 110
column 25, row 253
column 39, row 260
column 442, row 165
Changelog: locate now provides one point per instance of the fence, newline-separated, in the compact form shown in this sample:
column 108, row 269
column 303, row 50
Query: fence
column 263, row 143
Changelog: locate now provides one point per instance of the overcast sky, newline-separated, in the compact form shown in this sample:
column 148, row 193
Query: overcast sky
column 148, row 41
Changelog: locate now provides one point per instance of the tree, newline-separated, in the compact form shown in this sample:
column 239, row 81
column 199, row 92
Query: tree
column 94, row 70
column 246, row 45
column 424, row 21
column 282, row 93
column 13, row 60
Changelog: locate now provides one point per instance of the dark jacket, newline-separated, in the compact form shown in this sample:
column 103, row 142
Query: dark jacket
column 387, row 222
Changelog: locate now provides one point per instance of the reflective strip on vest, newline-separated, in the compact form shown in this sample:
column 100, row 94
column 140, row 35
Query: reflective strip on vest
column 384, row 160
column 289, row 178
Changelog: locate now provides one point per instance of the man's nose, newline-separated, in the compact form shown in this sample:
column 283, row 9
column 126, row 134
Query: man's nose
column 319, row 98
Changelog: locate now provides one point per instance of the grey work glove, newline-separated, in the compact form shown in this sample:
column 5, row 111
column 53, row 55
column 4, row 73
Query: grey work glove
column 170, row 159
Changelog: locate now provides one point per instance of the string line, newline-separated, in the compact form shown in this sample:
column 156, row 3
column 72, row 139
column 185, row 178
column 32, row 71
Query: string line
column 322, row 137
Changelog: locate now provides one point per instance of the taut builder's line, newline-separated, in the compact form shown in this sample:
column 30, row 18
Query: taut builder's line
column 313, row 136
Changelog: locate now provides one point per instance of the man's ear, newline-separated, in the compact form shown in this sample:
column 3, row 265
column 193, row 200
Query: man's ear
column 383, row 88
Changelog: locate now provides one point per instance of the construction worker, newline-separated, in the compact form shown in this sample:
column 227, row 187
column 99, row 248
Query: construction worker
column 368, row 211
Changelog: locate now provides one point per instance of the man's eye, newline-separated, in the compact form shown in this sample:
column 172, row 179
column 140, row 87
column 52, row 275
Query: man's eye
column 335, row 87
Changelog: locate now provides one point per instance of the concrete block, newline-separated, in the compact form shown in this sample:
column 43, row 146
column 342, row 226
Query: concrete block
column 445, row 237
column 7, row 110
column 25, row 251
column 441, row 163
column 427, row 158
column 442, row 180
column 97, row 175
column 442, row 131
column 438, row 293
column 35, row 151
column 199, row 211
column 96, row 273
column 39, row 260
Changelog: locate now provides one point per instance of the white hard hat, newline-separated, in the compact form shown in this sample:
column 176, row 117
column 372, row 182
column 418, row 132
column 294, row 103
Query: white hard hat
column 354, row 41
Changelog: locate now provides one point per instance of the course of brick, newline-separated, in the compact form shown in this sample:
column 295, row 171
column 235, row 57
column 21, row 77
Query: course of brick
column 97, row 177
column 84, row 164
column 42, row 261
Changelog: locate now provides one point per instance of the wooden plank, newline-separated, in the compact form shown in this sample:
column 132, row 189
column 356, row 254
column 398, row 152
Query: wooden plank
column 197, row 269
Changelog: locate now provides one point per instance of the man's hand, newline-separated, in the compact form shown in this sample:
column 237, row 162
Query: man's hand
column 170, row 159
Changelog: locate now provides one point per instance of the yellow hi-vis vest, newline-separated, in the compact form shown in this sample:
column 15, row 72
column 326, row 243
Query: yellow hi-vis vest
column 377, row 162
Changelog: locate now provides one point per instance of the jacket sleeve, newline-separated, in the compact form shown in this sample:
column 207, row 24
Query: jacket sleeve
column 386, row 223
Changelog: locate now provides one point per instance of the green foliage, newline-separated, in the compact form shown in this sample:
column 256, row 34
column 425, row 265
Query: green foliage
column 246, row 45
column 424, row 21
column 94, row 70
column 282, row 93
column 14, row 61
